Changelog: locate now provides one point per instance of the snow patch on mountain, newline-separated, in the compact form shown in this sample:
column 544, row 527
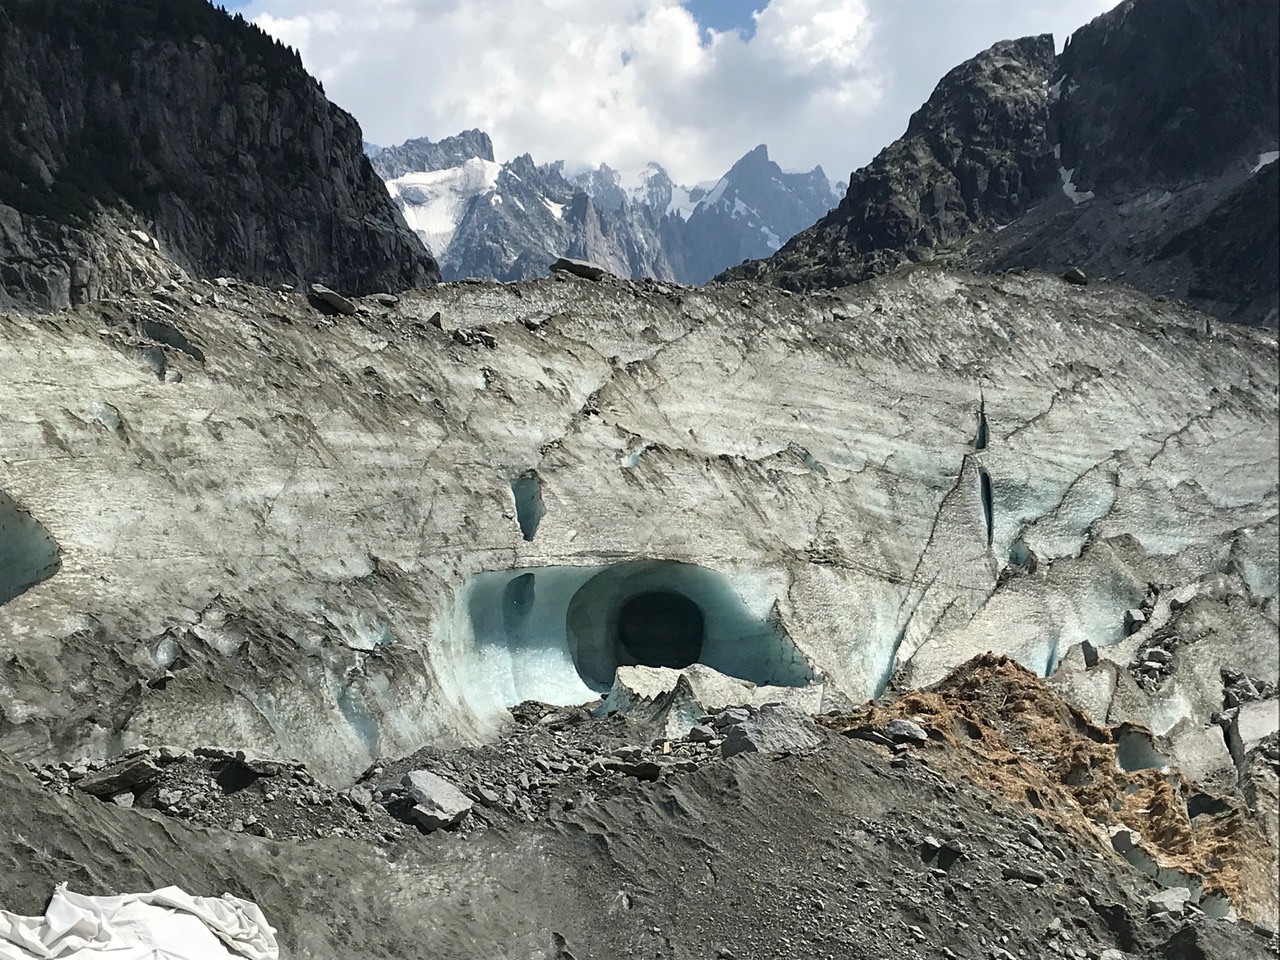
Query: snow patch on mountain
column 1069, row 187
column 717, row 192
column 435, row 201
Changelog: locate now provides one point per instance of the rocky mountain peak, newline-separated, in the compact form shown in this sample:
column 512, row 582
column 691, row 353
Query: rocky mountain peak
column 1007, row 77
column 200, row 130
column 423, row 155
column 510, row 221
column 1112, row 157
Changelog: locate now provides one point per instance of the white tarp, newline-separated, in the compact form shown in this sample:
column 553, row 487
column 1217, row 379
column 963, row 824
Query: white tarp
column 165, row 925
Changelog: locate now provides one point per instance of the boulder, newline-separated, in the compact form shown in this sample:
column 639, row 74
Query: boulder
column 1134, row 620
column 712, row 689
column 904, row 731
column 333, row 299
column 127, row 775
column 579, row 268
column 438, row 803
column 1172, row 901
column 774, row 728
column 1075, row 275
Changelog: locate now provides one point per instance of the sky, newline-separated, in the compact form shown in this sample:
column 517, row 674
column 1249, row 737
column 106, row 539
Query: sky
column 692, row 86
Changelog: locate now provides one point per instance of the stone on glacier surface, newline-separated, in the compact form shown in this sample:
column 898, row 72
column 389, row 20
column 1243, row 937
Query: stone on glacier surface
column 333, row 299
column 438, row 804
column 772, row 728
column 580, row 268
column 313, row 477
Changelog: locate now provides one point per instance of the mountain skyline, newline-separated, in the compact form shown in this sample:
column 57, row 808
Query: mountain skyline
column 691, row 86
column 509, row 220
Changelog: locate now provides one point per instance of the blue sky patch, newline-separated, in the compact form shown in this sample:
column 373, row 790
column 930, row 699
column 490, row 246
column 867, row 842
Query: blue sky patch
column 726, row 14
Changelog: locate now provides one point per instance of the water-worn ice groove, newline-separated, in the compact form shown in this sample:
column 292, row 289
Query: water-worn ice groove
column 335, row 482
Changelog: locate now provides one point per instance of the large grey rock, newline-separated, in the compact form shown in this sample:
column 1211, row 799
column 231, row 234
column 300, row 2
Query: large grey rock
column 333, row 299
column 773, row 728
column 438, row 803
column 1172, row 901
column 579, row 268
column 713, row 690
column 906, row 731
column 119, row 777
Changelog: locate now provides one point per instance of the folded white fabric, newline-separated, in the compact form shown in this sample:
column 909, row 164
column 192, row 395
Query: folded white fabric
column 168, row 924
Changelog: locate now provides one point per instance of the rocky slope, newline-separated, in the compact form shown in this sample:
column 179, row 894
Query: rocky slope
column 510, row 221
column 959, row 833
column 1152, row 128
column 196, row 128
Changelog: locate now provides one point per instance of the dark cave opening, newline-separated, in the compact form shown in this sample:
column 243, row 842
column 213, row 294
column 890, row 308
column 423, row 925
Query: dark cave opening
column 526, row 489
column 559, row 633
column 988, row 505
column 661, row 628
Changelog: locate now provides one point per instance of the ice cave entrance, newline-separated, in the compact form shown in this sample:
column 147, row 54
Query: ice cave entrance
column 558, row 634
column 661, row 628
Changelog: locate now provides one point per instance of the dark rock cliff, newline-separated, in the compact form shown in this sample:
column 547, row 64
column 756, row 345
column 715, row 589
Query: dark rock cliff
column 1160, row 91
column 977, row 152
column 195, row 125
column 1124, row 156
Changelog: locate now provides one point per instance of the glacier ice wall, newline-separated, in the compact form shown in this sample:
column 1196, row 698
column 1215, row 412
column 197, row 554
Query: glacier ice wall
column 311, row 544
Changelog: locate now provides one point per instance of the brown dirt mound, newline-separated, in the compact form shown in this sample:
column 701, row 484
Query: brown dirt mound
column 1005, row 728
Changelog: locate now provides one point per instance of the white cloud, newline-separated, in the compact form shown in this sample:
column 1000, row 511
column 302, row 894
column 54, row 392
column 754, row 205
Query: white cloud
column 623, row 81
column 629, row 81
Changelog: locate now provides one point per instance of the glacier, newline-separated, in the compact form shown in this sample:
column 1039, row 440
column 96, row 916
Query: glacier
column 326, row 540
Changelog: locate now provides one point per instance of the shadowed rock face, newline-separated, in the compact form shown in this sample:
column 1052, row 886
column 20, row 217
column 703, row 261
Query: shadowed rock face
column 978, row 151
column 211, row 133
column 1159, row 92
column 1149, row 126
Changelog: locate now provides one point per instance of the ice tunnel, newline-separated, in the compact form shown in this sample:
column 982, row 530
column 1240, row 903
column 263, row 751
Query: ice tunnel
column 28, row 555
column 558, row 634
